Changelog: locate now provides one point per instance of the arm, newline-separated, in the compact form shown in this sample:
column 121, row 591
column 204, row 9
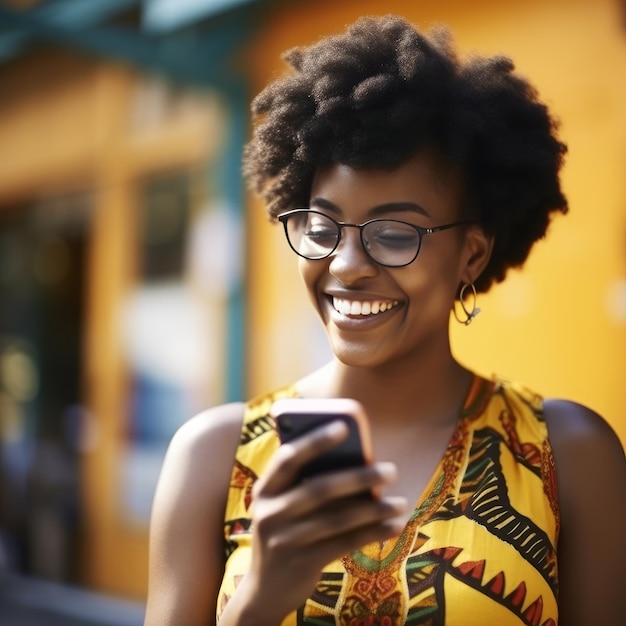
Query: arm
column 297, row 527
column 186, row 529
column 591, row 474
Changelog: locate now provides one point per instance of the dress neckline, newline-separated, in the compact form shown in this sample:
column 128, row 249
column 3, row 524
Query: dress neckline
column 446, row 471
column 443, row 479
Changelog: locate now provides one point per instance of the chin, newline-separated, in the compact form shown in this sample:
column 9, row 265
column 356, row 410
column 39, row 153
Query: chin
column 354, row 355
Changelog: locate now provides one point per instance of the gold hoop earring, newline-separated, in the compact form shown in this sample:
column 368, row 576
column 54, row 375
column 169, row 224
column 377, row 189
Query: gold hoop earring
column 469, row 315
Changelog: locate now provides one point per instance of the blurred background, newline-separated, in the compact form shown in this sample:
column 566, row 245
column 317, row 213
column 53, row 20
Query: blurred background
column 140, row 283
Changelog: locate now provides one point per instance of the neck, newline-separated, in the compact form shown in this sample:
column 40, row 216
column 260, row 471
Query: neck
column 428, row 389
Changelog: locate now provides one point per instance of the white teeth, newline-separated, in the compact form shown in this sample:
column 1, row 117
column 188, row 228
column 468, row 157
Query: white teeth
column 366, row 307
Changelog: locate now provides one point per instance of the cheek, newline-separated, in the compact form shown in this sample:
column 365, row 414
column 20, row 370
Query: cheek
column 310, row 273
column 436, row 281
column 305, row 270
column 442, row 259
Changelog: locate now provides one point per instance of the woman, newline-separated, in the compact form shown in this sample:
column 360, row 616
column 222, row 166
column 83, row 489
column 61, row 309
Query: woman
column 406, row 181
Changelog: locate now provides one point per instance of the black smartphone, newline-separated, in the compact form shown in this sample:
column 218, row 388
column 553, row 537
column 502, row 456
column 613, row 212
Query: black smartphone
column 295, row 417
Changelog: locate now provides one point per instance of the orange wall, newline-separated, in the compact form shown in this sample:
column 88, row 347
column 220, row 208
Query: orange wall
column 72, row 123
column 560, row 324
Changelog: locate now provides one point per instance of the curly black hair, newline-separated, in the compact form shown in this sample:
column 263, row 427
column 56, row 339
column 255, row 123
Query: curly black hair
column 376, row 95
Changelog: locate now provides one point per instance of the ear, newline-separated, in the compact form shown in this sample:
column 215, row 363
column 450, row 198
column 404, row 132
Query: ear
column 476, row 253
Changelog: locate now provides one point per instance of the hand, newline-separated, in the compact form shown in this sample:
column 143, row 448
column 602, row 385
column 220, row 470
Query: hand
column 299, row 528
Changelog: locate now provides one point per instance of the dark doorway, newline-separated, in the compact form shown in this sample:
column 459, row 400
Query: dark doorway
column 42, row 260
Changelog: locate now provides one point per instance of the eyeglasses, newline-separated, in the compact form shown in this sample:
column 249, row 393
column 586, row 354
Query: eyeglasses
column 392, row 243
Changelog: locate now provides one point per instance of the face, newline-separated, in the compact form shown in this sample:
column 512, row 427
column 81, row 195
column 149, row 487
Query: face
column 375, row 315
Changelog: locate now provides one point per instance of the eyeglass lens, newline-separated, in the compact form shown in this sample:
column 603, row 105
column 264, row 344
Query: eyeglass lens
column 389, row 242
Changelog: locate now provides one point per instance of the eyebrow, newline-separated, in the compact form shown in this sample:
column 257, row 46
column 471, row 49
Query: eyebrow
column 376, row 211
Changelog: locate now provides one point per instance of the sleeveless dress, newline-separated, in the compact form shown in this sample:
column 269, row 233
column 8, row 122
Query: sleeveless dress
column 479, row 548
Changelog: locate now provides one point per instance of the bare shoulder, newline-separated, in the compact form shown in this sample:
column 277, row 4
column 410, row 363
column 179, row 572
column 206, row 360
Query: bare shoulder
column 591, row 478
column 186, row 528
column 575, row 429
column 196, row 472
column 195, row 475
column 198, row 464
column 203, row 447
column 214, row 430
column 586, row 448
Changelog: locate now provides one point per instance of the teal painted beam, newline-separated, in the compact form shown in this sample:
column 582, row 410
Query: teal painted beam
column 199, row 59
column 232, row 189
column 68, row 13
column 163, row 16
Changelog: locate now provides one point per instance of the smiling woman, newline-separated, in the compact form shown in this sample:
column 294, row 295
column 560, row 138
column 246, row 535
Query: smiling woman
column 420, row 277
column 405, row 179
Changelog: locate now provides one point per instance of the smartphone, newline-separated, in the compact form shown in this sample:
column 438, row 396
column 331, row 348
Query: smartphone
column 295, row 417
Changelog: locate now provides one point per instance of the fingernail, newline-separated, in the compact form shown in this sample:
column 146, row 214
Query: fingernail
column 337, row 428
column 397, row 503
column 387, row 470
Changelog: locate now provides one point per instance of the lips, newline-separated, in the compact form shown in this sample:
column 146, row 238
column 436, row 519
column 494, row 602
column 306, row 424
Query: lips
column 362, row 308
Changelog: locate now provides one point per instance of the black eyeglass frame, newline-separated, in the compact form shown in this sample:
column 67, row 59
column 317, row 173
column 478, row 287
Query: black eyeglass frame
column 421, row 231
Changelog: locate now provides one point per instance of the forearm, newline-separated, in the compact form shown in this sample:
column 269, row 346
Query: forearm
column 249, row 606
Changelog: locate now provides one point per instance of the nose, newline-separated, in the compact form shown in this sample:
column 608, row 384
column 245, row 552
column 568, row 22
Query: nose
column 349, row 262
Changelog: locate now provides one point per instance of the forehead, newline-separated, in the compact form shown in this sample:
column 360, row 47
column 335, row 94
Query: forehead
column 422, row 180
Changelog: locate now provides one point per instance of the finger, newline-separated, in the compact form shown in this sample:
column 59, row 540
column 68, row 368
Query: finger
column 328, row 488
column 345, row 517
column 316, row 556
column 344, row 544
column 284, row 468
column 318, row 495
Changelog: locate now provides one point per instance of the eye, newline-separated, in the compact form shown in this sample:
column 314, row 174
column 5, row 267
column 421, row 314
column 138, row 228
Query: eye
column 391, row 234
column 320, row 230
column 321, row 236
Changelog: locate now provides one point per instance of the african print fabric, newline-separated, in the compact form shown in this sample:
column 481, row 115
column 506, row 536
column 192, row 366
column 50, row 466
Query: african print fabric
column 479, row 548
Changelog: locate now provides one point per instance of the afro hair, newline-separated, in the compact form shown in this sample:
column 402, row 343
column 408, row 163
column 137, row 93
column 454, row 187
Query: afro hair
column 373, row 97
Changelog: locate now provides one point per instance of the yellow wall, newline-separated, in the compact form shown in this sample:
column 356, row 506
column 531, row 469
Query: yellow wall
column 560, row 324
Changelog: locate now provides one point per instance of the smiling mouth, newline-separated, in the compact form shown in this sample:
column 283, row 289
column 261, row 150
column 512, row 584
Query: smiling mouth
column 362, row 307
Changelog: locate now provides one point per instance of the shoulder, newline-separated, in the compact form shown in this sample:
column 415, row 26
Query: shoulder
column 199, row 459
column 214, row 429
column 588, row 457
column 198, row 464
column 575, row 430
column 584, row 445
column 591, row 479
column 186, row 528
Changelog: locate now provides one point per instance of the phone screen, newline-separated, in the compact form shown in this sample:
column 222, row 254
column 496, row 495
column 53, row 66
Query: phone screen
column 353, row 451
column 348, row 453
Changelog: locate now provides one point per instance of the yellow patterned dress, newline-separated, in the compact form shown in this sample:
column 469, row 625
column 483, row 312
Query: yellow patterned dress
column 479, row 548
